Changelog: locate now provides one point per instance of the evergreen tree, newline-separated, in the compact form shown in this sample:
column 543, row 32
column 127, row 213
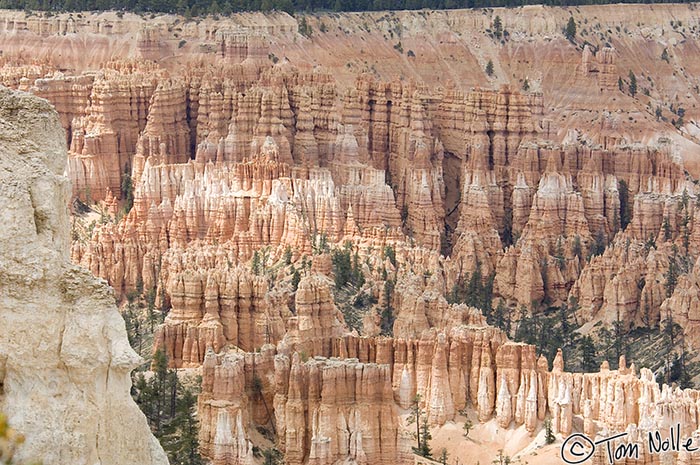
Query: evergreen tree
column 346, row 267
column 387, row 316
column 598, row 246
column 559, row 254
column 570, row 30
column 619, row 337
column 499, row 320
column 416, row 416
column 526, row 331
column 390, row 253
column 646, row 314
column 588, row 354
column 489, row 68
column 256, row 266
column 256, row 386
column 304, row 27
column 666, row 226
column 564, row 322
column 127, row 189
column 468, row 425
column 501, row 459
column 679, row 370
column 548, row 434
column 133, row 326
column 424, row 444
column 633, row 84
column 497, row 27
column 180, row 440
column 443, row 456
column 526, row 85
column 671, row 276
column 272, row 456
column 576, row 248
column 155, row 395
column 151, row 307
column 296, row 277
column 625, row 205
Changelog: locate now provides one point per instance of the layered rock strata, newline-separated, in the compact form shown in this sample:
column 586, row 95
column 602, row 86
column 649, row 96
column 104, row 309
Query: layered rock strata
column 306, row 396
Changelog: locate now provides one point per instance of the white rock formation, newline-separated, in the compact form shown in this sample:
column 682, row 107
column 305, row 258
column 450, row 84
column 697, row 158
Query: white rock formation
column 64, row 355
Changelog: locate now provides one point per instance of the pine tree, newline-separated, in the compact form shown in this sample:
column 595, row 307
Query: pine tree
column 620, row 337
column 559, row 254
column 598, row 246
column 443, row 456
column 342, row 265
column 526, row 85
column 180, row 440
column 157, row 396
column 625, row 206
column 671, row 276
column 501, row 459
column 424, row 445
column 387, row 317
column 468, row 425
column 272, row 456
column 576, row 248
column 497, row 27
column 570, row 30
column 564, row 322
column 182, row 6
column 296, row 277
column 390, row 253
column 257, row 389
column 423, row 435
column 633, row 84
column 666, row 226
column 489, row 68
column 588, row 354
column 548, row 434
column 127, row 189
column 304, row 28
column 255, row 266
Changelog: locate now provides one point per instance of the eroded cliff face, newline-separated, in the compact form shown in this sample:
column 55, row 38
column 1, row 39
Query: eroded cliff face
column 65, row 360
column 352, row 406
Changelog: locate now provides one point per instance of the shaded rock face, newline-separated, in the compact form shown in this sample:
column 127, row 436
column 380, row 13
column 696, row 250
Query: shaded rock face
column 64, row 356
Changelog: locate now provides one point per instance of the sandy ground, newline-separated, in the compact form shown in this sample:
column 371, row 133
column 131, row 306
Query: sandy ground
column 487, row 440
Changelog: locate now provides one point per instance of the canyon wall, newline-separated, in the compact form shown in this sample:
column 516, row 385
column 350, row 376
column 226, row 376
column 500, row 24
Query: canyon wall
column 352, row 405
column 65, row 360
column 310, row 208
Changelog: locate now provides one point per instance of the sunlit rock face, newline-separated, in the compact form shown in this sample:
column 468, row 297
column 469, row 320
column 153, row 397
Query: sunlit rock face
column 65, row 360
